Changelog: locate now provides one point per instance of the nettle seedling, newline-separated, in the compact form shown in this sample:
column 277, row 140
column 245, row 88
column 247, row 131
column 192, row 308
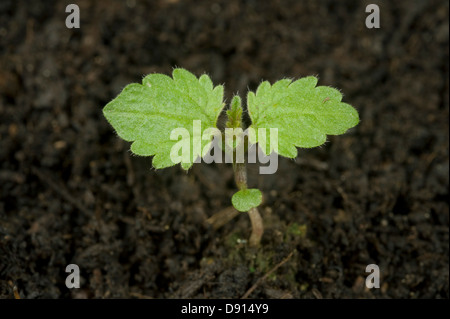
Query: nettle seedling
column 175, row 121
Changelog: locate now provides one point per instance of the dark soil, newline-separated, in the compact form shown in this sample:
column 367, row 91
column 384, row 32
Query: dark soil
column 71, row 193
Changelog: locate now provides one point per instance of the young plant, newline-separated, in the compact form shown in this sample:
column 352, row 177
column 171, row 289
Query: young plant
column 164, row 115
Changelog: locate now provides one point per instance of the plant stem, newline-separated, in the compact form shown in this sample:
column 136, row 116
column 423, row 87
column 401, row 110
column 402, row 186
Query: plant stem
column 240, row 176
column 257, row 227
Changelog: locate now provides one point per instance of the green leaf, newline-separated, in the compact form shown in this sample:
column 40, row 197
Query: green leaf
column 303, row 114
column 246, row 199
column 234, row 113
column 146, row 114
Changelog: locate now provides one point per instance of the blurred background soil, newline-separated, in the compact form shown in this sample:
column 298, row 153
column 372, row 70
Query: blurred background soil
column 72, row 193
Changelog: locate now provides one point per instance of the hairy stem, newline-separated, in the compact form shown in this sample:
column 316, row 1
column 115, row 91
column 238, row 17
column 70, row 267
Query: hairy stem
column 240, row 176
